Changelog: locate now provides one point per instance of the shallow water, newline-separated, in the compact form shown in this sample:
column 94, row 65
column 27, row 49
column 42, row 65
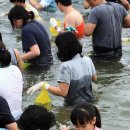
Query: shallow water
column 111, row 90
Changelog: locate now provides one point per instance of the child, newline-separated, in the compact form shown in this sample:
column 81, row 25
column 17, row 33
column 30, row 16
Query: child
column 76, row 72
column 36, row 117
column 86, row 116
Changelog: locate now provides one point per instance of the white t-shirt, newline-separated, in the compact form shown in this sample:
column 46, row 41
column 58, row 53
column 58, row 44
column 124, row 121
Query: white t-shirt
column 11, row 86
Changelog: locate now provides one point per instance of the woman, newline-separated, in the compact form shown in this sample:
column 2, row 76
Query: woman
column 76, row 72
column 35, row 40
column 11, row 83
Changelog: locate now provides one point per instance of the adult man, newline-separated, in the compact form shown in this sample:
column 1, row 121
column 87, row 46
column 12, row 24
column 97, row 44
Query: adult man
column 47, row 5
column 6, row 119
column 28, row 7
column 105, row 25
column 73, row 18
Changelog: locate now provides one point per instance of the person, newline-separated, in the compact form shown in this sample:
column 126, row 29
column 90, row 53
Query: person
column 35, row 40
column 15, row 56
column 36, row 117
column 124, row 3
column 11, row 83
column 76, row 73
column 46, row 5
column 105, row 22
column 85, row 116
column 7, row 121
column 73, row 18
column 28, row 7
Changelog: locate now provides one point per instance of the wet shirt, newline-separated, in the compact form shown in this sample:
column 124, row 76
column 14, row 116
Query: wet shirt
column 106, row 38
column 5, row 114
column 13, row 57
column 78, row 74
column 33, row 33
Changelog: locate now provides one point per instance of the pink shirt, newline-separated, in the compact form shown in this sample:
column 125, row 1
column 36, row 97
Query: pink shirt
column 96, row 128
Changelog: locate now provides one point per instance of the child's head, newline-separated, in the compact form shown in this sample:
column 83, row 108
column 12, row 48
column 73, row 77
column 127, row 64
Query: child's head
column 86, row 116
column 5, row 57
column 68, row 46
column 36, row 117
column 64, row 2
column 19, row 16
column 17, row 1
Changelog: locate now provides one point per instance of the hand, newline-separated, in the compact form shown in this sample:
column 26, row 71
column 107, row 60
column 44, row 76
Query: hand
column 34, row 88
column 71, row 29
column 53, row 22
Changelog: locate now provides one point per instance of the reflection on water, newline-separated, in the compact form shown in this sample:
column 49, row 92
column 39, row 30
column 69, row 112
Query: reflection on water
column 111, row 90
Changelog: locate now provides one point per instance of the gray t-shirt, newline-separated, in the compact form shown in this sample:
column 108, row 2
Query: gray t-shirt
column 108, row 18
column 78, row 74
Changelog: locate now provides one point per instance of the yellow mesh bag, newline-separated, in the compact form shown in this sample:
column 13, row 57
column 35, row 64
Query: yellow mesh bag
column 53, row 31
column 43, row 98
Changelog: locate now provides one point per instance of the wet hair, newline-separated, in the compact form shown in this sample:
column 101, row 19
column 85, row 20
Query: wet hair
column 84, row 113
column 5, row 57
column 21, row 1
column 19, row 12
column 36, row 117
column 2, row 45
column 64, row 2
column 68, row 46
column 1, row 37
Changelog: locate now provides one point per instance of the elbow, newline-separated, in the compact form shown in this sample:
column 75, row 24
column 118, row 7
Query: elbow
column 87, row 34
column 37, row 53
column 94, row 78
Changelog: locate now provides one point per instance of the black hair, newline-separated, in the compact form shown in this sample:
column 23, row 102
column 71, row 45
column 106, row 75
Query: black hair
column 19, row 12
column 5, row 57
column 84, row 113
column 64, row 2
column 1, row 37
column 68, row 46
column 21, row 1
column 36, row 117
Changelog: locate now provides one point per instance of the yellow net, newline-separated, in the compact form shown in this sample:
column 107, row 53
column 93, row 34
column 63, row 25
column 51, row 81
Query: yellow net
column 43, row 99
column 53, row 31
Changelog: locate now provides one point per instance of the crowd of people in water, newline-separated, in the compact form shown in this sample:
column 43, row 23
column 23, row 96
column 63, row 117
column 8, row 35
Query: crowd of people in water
column 76, row 72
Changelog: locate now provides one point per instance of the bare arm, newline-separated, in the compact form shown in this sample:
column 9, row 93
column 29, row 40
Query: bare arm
column 126, row 21
column 89, row 29
column 94, row 77
column 12, row 126
column 19, row 60
column 34, row 52
column 86, row 4
column 126, row 4
column 60, row 90
column 35, row 4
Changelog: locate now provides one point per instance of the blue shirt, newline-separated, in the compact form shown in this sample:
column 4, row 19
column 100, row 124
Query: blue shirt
column 33, row 33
